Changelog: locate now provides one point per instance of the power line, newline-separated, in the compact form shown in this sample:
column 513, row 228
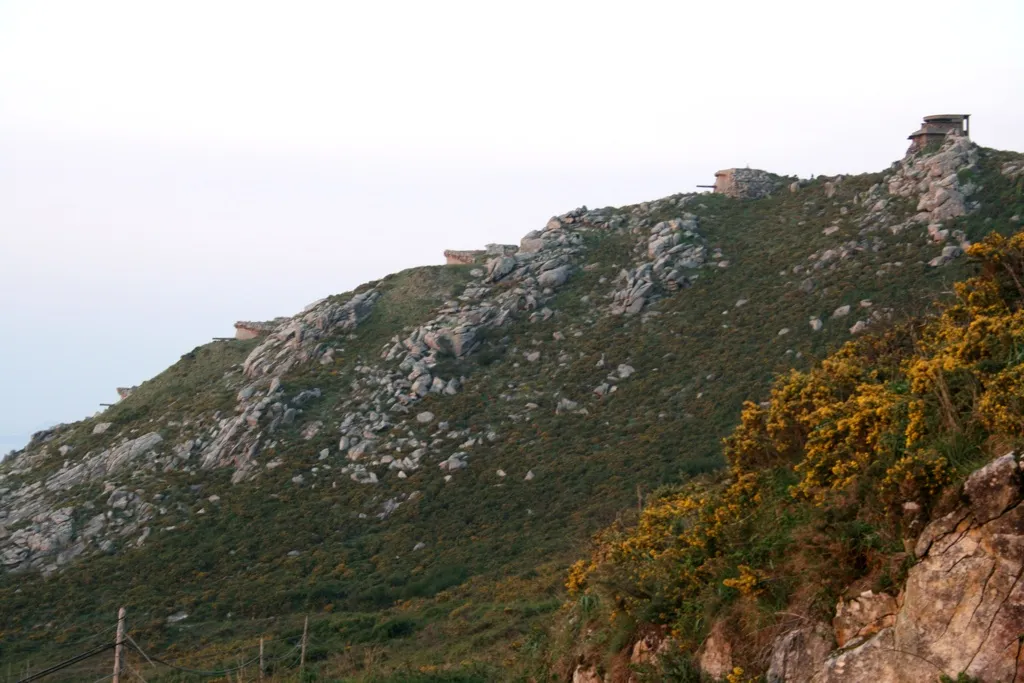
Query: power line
column 212, row 656
column 90, row 640
column 69, row 662
column 152, row 659
column 94, row 637
column 202, row 658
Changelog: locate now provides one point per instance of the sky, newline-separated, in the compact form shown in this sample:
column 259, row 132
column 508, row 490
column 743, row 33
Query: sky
column 168, row 168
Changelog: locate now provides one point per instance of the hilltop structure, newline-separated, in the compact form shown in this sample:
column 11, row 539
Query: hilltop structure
column 935, row 129
column 125, row 392
column 454, row 257
column 246, row 329
column 752, row 183
column 745, row 183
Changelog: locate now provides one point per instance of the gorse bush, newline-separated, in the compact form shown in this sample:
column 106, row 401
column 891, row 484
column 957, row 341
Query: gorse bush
column 825, row 478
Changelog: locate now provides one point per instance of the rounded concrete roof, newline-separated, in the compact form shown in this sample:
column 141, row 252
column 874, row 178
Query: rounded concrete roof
column 952, row 117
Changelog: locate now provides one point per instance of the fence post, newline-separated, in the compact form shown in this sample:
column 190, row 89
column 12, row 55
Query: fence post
column 302, row 657
column 261, row 658
column 118, row 644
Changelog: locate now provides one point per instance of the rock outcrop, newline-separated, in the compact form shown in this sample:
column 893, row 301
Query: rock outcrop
column 798, row 654
column 934, row 180
column 46, row 535
column 715, row 655
column 294, row 340
column 961, row 611
column 669, row 260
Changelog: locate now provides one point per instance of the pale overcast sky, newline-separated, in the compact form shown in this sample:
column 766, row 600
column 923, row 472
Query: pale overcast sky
column 167, row 168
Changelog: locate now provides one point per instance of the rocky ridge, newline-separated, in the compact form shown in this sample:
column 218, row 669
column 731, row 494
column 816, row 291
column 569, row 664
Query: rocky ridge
column 325, row 404
column 375, row 432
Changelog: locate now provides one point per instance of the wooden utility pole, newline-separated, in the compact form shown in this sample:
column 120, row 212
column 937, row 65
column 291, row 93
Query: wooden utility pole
column 302, row 657
column 118, row 644
column 261, row 658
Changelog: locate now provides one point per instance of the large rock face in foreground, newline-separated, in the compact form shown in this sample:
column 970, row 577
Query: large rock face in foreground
column 962, row 609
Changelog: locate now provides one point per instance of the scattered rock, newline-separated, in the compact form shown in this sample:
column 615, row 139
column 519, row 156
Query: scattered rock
column 565, row 405
column 863, row 616
column 456, row 461
column 586, row 674
column 554, row 278
column 715, row 655
column 992, row 489
column 841, row 312
column 799, row 654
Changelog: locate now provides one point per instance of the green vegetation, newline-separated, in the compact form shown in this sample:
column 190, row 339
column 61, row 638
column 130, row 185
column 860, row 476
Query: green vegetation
column 477, row 601
column 828, row 480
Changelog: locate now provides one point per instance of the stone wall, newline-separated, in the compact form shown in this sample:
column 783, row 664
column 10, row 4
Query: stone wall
column 469, row 257
column 745, row 183
column 250, row 330
column 454, row 257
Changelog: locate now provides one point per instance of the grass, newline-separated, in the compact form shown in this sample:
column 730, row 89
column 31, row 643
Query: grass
column 491, row 573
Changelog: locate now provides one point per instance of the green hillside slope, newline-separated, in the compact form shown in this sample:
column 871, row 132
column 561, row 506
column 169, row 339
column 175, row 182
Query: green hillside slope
column 232, row 488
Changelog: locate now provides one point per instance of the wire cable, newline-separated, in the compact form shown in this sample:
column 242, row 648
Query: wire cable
column 152, row 659
column 105, row 633
column 69, row 662
column 210, row 656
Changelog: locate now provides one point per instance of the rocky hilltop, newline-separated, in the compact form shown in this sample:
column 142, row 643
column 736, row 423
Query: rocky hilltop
column 446, row 438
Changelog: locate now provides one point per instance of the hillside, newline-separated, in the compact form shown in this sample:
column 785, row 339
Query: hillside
column 415, row 464
column 868, row 526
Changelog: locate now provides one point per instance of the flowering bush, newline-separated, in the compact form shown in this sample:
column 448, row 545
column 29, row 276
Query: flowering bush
column 831, row 457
